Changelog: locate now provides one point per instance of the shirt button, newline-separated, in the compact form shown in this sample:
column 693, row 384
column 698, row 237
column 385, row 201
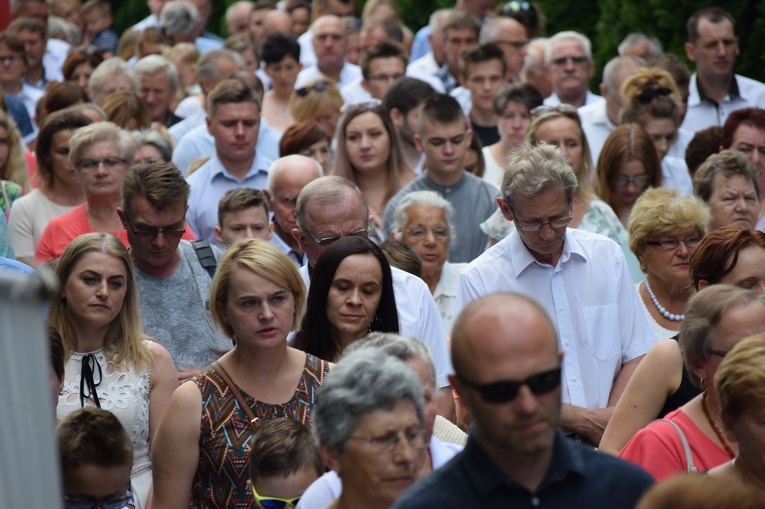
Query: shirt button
column 568, row 343
column 573, row 379
column 560, row 308
column 535, row 501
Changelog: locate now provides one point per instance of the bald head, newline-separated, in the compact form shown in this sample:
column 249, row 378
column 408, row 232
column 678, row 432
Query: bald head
column 276, row 21
column 502, row 325
column 292, row 168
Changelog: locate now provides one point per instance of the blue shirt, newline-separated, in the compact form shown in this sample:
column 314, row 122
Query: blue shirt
column 578, row 478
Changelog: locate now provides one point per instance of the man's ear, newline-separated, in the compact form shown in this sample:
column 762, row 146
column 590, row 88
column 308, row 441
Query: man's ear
column 218, row 233
column 268, row 198
column 690, row 51
column 123, row 217
column 299, row 237
column 418, row 143
column 505, row 208
column 365, row 85
column 396, row 117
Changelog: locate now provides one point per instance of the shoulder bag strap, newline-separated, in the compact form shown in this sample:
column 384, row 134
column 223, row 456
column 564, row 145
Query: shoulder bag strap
column 254, row 421
column 691, row 467
column 205, row 255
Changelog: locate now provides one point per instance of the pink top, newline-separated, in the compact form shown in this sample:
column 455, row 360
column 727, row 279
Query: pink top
column 65, row 228
column 658, row 448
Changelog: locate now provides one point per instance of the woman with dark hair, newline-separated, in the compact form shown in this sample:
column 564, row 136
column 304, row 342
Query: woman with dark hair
column 661, row 384
column 351, row 294
column 281, row 56
column 59, row 95
column 308, row 139
column 79, row 65
column 744, row 131
column 59, row 189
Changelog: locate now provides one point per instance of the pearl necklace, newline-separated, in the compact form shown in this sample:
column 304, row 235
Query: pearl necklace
column 662, row 309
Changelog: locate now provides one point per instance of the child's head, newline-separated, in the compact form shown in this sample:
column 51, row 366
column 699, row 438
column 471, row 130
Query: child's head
column 284, row 461
column 98, row 16
column 242, row 214
column 96, row 457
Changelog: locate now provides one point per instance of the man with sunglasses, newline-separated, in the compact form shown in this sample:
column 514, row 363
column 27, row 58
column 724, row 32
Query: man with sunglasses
column 332, row 207
column 508, row 373
column 569, row 58
column 581, row 280
column 173, row 285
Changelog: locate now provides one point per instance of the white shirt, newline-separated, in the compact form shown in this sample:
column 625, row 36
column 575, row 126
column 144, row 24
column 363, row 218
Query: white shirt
column 307, row 54
column 493, row 171
column 590, row 98
column 349, row 73
column 597, row 127
column 425, row 69
column 354, row 93
column 190, row 106
column 674, row 174
column 677, row 149
column 445, row 293
column 152, row 20
column 208, row 185
column 590, row 298
column 327, row 488
column 56, row 51
column 703, row 114
column 186, row 125
column 463, row 97
column 29, row 95
column 418, row 317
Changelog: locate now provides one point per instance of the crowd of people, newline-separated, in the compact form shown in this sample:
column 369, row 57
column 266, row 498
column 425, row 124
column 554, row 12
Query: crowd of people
column 330, row 262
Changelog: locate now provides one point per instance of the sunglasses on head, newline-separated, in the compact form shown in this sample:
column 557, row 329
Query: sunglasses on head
column 273, row 502
column 505, row 391
column 319, row 86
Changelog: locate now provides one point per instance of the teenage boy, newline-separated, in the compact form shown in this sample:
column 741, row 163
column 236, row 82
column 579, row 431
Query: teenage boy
column 242, row 214
column 483, row 71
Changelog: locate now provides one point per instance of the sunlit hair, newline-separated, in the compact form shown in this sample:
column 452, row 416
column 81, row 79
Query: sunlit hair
column 161, row 184
column 123, row 106
column 717, row 254
column 728, row 163
column 422, row 198
column 586, row 187
column 263, row 259
column 124, row 340
column 309, row 106
column 740, row 379
column 110, row 68
column 704, row 313
column 534, row 169
column 626, row 143
column 96, row 133
column 92, row 436
column 661, row 212
column 404, row 348
column 68, row 119
column 394, row 165
column 650, row 93
column 230, row 91
column 300, row 136
column 15, row 168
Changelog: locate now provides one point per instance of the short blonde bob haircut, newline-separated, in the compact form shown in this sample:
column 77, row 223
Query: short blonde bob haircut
column 740, row 379
column 266, row 261
column 661, row 211
column 307, row 101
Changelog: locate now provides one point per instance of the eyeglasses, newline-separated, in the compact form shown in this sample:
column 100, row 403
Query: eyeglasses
column 326, row 241
column 555, row 224
column 514, row 6
column 420, row 232
column 518, row 45
column 149, row 160
column 387, row 78
column 561, row 61
column 561, row 108
column 719, row 353
column 319, row 86
column 505, row 391
column 273, row 502
column 639, row 181
column 171, row 234
column 388, row 442
column 669, row 244
column 113, row 502
column 522, row 10
column 367, row 105
column 93, row 164
column 9, row 59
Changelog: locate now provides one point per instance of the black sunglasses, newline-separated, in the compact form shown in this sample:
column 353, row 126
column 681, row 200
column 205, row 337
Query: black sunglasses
column 505, row 391
column 319, row 86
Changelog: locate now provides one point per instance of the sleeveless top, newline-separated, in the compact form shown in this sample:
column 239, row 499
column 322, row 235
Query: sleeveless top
column 684, row 393
column 122, row 390
column 224, row 450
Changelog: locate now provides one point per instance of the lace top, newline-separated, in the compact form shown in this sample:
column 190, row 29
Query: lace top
column 224, row 451
column 121, row 390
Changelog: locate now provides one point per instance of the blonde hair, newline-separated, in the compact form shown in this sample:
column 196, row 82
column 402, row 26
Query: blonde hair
column 126, row 105
column 662, row 211
column 307, row 107
column 740, row 379
column 265, row 260
column 15, row 168
column 124, row 340
column 650, row 93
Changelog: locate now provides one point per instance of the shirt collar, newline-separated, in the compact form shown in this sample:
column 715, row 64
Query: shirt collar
column 733, row 91
column 438, row 187
column 449, row 282
column 259, row 165
column 522, row 257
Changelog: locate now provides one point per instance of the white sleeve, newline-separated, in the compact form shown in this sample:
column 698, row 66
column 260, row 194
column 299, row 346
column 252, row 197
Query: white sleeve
column 322, row 492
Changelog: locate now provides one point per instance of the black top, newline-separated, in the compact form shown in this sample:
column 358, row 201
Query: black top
column 171, row 119
column 684, row 393
column 579, row 478
column 487, row 135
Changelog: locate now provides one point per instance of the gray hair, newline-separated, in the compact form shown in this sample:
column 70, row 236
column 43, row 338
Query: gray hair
column 363, row 382
column 704, row 313
column 569, row 34
column 110, row 67
column 154, row 64
column 59, row 27
column 532, row 62
column 404, row 348
column 231, row 11
column 275, row 169
column 615, row 65
column 490, row 30
column 327, row 191
column 534, row 169
column 428, row 198
column 654, row 45
column 156, row 140
column 179, row 18
column 728, row 163
column 86, row 136
column 207, row 66
column 437, row 20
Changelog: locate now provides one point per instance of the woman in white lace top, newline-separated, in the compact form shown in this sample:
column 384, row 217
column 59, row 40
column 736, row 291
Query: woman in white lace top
column 110, row 362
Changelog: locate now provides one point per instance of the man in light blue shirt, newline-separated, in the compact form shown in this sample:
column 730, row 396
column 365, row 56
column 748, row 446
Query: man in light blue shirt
column 233, row 120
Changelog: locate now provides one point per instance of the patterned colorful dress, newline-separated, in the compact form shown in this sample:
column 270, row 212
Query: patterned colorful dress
column 224, row 452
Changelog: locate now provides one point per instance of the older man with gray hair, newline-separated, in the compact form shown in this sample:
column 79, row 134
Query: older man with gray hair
column 111, row 75
column 581, row 279
column 568, row 56
column 238, row 17
column 641, row 45
column 157, row 84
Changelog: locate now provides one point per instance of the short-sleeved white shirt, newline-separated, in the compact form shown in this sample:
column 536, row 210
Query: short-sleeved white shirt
column 702, row 114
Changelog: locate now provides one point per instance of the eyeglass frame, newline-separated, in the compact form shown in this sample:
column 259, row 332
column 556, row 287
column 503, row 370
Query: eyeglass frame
column 511, row 388
column 260, row 498
column 623, row 181
column 328, row 241
column 319, row 86
column 98, row 162
column 662, row 244
column 432, row 230
column 151, row 233
column 577, row 60
column 524, row 226
column 386, row 444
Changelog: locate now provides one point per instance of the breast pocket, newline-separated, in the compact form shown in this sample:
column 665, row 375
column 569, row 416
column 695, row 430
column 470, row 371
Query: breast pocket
column 602, row 323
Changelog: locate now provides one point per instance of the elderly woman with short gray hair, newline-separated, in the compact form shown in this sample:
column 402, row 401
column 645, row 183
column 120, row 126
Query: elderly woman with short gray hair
column 369, row 420
column 424, row 221
column 444, row 439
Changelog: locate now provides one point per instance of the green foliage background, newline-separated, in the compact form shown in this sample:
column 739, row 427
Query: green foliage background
column 606, row 22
